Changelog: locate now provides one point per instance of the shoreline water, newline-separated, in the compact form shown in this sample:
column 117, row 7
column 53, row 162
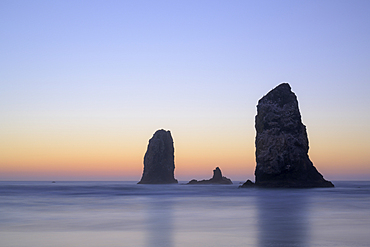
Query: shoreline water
column 127, row 214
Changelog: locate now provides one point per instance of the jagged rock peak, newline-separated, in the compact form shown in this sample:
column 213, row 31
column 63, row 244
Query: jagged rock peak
column 217, row 174
column 216, row 179
column 159, row 164
column 282, row 143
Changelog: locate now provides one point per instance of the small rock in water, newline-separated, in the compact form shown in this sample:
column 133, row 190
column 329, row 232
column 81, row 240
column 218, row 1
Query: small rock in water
column 216, row 179
column 247, row 184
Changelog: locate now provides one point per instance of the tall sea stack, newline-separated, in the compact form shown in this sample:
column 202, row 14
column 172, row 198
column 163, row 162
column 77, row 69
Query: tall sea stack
column 159, row 164
column 282, row 143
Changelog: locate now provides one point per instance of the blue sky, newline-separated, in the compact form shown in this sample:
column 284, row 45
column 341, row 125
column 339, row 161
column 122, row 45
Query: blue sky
column 122, row 69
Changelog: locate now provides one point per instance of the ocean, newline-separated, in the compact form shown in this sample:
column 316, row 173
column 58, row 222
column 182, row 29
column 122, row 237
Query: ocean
column 46, row 214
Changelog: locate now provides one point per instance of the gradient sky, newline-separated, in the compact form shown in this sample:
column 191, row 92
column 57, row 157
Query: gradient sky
column 85, row 84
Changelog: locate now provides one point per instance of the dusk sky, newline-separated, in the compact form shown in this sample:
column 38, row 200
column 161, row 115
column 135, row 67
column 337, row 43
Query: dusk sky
column 85, row 84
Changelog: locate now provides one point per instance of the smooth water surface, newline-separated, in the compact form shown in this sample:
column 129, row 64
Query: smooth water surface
column 126, row 214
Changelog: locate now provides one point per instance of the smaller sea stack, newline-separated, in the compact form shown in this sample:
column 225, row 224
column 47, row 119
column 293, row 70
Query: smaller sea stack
column 216, row 179
column 159, row 164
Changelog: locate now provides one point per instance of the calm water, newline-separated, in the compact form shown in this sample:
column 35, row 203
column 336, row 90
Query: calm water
column 126, row 214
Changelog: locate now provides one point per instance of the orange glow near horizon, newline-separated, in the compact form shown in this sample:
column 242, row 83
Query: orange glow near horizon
column 188, row 166
column 106, row 156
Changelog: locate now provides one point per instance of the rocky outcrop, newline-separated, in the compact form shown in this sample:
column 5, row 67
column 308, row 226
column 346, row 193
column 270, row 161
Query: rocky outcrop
column 216, row 179
column 282, row 143
column 159, row 164
column 247, row 184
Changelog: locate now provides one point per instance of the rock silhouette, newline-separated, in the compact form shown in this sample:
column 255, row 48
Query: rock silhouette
column 216, row 179
column 247, row 184
column 282, row 143
column 159, row 162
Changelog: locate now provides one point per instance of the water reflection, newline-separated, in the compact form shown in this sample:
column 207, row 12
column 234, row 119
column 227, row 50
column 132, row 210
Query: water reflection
column 159, row 223
column 282, row 218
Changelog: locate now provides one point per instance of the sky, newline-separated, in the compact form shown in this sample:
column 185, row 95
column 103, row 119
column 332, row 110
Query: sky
column 85, row 84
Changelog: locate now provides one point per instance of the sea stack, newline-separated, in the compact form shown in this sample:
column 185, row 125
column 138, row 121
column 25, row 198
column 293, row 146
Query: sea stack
column 282, row 143
column 159, row 164
column 216, row 179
